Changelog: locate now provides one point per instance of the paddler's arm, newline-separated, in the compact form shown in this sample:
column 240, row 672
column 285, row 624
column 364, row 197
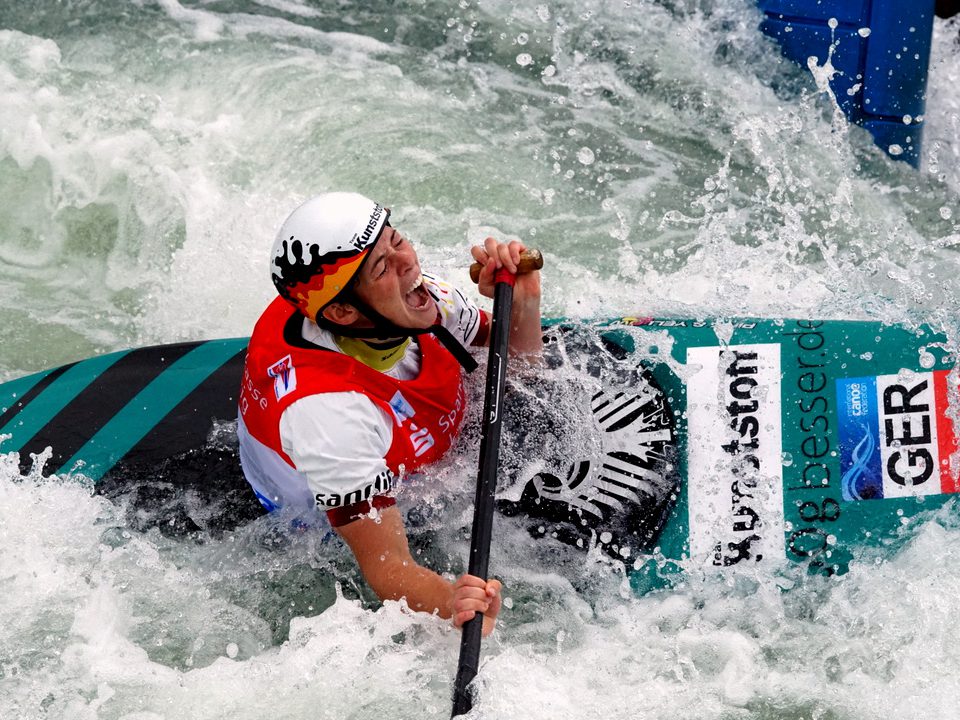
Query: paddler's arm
column 526, row 337
column 383, row 554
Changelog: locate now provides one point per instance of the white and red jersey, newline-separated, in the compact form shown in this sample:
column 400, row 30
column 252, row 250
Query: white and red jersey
column 318, row 428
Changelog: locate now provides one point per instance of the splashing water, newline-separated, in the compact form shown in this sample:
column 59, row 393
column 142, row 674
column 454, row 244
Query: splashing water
column 659, row 153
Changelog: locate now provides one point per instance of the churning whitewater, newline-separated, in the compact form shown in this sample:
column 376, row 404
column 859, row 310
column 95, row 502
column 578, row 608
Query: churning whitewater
column 664, row 158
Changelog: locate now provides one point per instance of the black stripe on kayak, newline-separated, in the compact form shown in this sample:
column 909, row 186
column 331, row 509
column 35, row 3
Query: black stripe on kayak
column 28, row 396
column 96, row 404
column 175, row 478
column 187, row 427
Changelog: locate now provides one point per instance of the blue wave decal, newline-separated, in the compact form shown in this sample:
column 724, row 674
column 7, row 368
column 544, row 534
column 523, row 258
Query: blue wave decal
column 856, row 477
column 861, row 475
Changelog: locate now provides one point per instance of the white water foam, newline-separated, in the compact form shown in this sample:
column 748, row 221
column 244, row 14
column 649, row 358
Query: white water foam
column 146, row 167
column 103, row 622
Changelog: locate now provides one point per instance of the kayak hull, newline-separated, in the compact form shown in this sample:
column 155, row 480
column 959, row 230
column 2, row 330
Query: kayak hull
column 712, row 445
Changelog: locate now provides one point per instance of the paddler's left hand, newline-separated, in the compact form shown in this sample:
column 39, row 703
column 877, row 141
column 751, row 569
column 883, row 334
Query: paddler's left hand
column 472, row 595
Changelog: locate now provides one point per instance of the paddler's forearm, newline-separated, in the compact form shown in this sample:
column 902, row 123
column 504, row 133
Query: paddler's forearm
column 423, row 589
column 383, row 554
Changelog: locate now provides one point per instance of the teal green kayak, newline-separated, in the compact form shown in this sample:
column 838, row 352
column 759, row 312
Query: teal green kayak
column 697, row 445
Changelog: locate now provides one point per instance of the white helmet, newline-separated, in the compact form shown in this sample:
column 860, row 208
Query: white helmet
column 321, row 247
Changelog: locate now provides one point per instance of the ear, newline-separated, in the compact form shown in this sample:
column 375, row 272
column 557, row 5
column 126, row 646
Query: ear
column 341, row 313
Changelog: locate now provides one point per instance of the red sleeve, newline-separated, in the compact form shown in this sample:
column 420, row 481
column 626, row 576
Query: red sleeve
column 483, row 332
column 348, row 513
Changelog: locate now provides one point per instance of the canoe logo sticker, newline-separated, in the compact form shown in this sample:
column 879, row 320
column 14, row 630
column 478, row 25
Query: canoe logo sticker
column 614, row 485
column 284, row 376
column 735, row 475
column 896, row 438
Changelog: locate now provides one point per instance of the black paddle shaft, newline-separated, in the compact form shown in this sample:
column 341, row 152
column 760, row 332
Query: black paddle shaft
column 486, row 484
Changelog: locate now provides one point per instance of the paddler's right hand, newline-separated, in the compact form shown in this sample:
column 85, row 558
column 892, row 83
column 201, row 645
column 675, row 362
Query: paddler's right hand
column 472, row 595
column 526, row 336
column 494, row 255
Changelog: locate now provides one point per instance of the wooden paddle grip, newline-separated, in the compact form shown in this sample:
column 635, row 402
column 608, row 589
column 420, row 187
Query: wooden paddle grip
column 530, row 260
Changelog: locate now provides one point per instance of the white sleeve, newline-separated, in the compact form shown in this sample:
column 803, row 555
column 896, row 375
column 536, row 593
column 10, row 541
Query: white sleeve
column 458, row 314
column 339, row 441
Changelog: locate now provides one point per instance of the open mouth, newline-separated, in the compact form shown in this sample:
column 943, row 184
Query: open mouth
column 417, row 297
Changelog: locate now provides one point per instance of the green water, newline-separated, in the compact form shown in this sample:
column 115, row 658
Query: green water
column 664, row 159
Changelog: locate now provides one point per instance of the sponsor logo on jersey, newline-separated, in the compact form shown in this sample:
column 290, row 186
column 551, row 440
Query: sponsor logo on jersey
column 381, row 484
column 735, row 470
column 420, row 437
column 284, row 376
column 249, row 392
column 895, row 436
column 402, row 410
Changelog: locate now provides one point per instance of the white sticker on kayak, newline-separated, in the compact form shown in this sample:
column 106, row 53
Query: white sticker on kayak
column 734, row 456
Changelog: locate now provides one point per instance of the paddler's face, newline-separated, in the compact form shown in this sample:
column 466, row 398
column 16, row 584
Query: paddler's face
column 390, row 282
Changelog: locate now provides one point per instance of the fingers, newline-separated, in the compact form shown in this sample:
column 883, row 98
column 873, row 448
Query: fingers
column 504, row 254
column 472, row 595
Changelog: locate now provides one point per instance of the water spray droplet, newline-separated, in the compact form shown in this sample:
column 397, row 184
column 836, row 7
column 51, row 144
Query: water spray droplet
column 524, row 59
column 585, row 156
column 864, row 32
column 523, row 39
column 907, row 119
column 832, row 23
column 895, row 150
column 946, row 213
column 232, row 650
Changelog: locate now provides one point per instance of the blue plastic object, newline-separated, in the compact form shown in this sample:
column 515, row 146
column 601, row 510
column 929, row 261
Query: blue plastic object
column 881, row 51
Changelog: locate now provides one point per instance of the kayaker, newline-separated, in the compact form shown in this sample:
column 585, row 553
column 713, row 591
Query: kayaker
column 354, row 376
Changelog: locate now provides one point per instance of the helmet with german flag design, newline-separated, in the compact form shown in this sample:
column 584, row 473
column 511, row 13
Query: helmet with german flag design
column 321, row 247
